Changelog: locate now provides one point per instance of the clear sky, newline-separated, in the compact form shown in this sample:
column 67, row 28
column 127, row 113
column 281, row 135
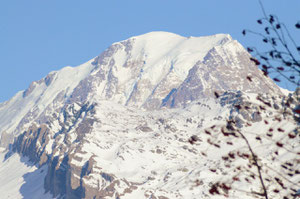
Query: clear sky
column 37, row 37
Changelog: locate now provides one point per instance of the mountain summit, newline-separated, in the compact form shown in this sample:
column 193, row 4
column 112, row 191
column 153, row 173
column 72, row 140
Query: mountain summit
column 164, row 69
column 118, row 126
column 151, row 71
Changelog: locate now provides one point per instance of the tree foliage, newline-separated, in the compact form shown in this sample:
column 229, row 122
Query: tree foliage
column 282, row 60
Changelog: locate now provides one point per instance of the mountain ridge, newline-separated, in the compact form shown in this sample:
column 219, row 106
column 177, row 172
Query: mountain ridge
column 141, row 71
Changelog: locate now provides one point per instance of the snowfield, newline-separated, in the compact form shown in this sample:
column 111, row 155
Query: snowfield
column 20, row 178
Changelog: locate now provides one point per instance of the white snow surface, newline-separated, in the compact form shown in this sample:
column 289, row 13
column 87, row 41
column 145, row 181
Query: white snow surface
column 20, row 179
column 286, row 91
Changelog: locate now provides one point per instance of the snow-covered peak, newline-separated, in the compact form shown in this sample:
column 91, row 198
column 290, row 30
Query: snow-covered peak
column 144, row 70
column 157, row 36
column 148, row 71
column 159, row 43
column 162, row 35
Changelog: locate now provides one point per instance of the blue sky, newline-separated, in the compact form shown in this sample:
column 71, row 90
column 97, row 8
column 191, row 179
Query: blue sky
column 37, row 37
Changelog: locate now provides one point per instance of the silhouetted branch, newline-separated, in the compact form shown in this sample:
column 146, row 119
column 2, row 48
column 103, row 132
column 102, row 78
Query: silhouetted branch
column 281, row 59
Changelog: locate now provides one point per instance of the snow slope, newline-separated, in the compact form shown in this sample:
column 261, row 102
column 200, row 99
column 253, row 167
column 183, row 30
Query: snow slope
column 20, row 178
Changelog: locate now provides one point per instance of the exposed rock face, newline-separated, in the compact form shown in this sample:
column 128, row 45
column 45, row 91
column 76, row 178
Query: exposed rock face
column 47, row 81
column 220, row 70
column 32, row 143
column 55, row 149
column 61, row 150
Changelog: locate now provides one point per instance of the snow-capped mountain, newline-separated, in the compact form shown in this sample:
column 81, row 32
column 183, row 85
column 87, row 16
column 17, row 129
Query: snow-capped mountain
column 148, row 71
column 119, row 126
